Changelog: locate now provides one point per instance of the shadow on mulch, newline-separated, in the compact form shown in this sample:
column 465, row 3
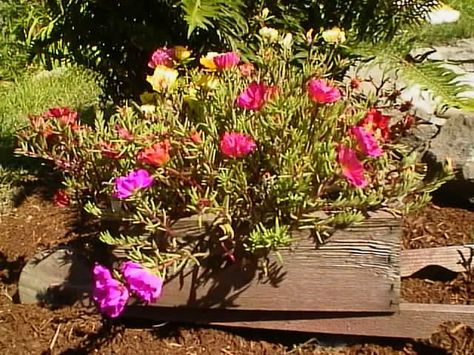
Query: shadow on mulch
column 108, row 331
column 295, row 341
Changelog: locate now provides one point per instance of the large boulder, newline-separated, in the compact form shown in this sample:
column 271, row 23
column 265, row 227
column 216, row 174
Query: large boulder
column 455, row 141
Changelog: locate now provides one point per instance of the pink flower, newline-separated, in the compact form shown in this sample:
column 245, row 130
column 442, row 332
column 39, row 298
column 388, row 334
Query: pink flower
column 161, row 56
column 110, row 295
column 366, row 141
column 61, row 198
column 236, row 145
column 226, row 60
column 143, row 283
column 352, row 168
column 253, row 97
column 321, row 92
column 125, row 186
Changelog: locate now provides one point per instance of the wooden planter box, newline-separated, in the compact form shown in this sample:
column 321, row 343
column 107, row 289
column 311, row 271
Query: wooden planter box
column 356, row 270
column 349, row 285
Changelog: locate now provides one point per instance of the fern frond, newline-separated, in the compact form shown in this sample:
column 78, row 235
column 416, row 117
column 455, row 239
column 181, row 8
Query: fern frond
column 436, row 77
column 221, row 14
column 441, row 81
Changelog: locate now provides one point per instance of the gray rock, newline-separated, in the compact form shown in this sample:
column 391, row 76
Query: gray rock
column 455, row 141
column 418, row 139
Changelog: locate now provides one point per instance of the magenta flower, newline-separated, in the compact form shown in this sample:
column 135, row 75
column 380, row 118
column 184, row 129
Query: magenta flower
column 161, row 56
column 125, row 186
column 321, row 92
column 226, row 60
column 352, row 168
column 110, row 295
column 143, row 283
column 366, row 141
column 253, row 97
column 237, row 145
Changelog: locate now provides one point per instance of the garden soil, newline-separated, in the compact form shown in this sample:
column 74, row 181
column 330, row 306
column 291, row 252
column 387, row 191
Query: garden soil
column 36, row 223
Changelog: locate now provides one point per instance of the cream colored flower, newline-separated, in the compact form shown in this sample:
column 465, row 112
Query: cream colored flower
column 163, row 78
column 334, row 35
column 148, row 109
column 268, row 34
column 287, row 41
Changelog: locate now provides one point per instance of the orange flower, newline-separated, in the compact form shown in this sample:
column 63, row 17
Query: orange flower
column 156, row 155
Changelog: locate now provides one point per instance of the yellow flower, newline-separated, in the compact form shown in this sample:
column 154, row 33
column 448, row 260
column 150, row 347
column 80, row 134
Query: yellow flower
column 181, row 53
column 334, row 35
column 163, row 78
column 208, row 61
column 208, row 82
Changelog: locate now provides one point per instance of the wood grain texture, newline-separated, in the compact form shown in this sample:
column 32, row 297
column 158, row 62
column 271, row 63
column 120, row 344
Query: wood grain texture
column 356, row 270
column 414, row 260
column 413, row 320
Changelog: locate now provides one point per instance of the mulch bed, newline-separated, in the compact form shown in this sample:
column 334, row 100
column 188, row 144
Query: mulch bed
column 37, row 224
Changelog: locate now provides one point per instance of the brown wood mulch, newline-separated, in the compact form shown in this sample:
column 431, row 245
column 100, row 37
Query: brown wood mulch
column 30, row 329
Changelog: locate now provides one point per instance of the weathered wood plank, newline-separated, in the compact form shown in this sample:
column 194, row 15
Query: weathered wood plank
column 413, row 320
column 356, row 270
column 412, row 261
column 56, row 276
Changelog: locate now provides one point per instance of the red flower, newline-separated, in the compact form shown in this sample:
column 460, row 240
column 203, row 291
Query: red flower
column 196, row 137
column 376, row 123
column 156, row 155
column 64, row 115
column 61, row 198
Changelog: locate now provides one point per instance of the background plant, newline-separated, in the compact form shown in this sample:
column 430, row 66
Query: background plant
column 116, row 39
column 32, row 94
